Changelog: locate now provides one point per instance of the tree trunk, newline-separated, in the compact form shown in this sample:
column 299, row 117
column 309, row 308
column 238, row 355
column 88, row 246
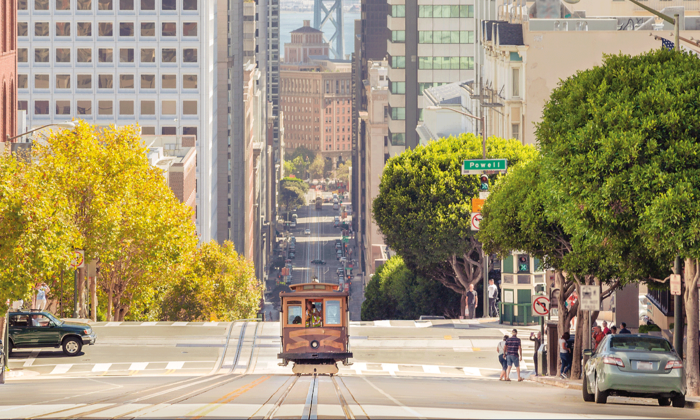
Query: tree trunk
column 110, row 303
column 93, row 299
column 692, row 363
column 81, row 293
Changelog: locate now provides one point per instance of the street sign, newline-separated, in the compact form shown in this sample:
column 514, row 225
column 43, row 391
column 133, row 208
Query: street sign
column 590, row 298
column 475, row 221
column 540, row 305
column 477, row 204
column 483, row 195
column 478, row 166
column 676, row 284
column 78, row 260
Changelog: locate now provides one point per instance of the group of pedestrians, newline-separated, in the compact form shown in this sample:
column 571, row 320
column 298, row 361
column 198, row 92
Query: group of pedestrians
column 510, row 353
column 566, row 347
column 472, row 301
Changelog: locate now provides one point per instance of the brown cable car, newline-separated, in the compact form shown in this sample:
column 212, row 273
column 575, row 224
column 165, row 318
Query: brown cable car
column 314, row 328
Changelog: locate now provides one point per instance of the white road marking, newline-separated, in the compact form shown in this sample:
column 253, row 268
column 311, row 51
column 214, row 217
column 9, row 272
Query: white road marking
column 59, row 369
column 138, row 366
column 32, row 358
column 179, row 324
column 210, row 324
column 101, row 367
column 382, row 323
column 394, row 400
column 471, row 371
column 113, row 324
column 175, row 365
column 431, row 369
column 423, row 324
column 148, row 324
column 391, row 368
column 359, row 367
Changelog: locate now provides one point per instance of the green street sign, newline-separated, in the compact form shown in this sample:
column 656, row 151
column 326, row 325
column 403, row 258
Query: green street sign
column 479, row 166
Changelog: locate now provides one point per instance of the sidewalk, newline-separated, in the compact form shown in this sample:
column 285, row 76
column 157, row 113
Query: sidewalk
column 576, row 384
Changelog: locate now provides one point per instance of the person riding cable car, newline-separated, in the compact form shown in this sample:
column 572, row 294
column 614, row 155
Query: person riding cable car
column 313, row 315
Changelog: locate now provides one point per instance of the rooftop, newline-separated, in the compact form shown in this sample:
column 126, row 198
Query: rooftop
column 306, row 29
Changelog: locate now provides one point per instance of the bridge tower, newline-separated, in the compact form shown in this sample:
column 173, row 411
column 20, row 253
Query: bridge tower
column 323, row 14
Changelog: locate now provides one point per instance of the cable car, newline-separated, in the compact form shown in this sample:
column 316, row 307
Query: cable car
column 314, row 331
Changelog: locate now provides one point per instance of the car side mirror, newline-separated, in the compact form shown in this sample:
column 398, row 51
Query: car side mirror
column 588, row 352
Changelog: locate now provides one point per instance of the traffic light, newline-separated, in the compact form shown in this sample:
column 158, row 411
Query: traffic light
column 484, row 182
column 523, row 263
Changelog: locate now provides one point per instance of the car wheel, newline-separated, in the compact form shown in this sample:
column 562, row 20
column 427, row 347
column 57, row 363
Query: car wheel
column 679, row 401
column 664, row 402
column 71, row 346
column 601, row 397
column 587, row 396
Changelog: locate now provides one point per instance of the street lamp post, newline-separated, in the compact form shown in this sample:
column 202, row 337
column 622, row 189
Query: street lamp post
column 466, row 114
column 66, row 124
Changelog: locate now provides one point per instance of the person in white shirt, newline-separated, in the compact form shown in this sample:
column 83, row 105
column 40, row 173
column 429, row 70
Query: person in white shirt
column 493, row 294
column 501, row 349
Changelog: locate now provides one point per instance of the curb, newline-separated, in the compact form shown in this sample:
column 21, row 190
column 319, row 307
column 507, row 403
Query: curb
column 578, row 385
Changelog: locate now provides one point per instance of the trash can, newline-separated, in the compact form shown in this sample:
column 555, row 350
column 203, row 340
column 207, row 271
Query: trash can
column 542, row 360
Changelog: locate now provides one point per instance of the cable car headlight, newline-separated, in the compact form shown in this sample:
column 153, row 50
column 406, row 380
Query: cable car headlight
column 314, row 344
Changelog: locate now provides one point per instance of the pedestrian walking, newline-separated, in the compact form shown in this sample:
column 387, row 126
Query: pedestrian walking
column 564, row 355
column 537, row 338
column 501, row 349
column 493, row 294
column 472, row 301
column 514, row 354
column 41, row 291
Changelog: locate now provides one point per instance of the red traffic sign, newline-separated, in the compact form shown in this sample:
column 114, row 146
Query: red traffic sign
column 475, row 221
column 540, row 306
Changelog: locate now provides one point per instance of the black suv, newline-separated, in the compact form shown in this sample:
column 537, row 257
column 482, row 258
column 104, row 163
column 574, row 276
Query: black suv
column 41, row 329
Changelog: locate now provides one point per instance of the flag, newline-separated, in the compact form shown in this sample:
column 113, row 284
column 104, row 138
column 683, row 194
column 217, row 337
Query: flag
column 665, row 43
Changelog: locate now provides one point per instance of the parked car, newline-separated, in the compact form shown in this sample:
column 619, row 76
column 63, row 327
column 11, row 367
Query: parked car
column 307, row 231
column 338, row 254
column 319, row 262
column 339, row 271
column 634, row 365
column 42, row 329
column 293, row 224
column 343, row 259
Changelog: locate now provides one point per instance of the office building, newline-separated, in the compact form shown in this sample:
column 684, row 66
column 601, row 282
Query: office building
column 125, row 62
column 445, row 110
column 8, row 71
column 375, row 33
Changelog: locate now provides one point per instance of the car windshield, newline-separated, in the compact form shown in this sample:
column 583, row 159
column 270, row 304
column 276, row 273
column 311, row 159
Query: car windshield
column 54, row 319
column 624, row 343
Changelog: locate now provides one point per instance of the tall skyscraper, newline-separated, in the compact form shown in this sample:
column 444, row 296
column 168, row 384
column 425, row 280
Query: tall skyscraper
column 375, row 33
column 125, row 62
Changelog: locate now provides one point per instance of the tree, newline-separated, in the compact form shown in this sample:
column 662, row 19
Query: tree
column 306, row 154
column 424, row 204
column 214, row 283
column 316, row 167
column 395, row 292
column 343, row 172
column 292, row 192
column 621, row 159
column 289, row 168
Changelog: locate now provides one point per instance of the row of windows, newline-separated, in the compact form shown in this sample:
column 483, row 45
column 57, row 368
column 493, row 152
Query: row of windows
column 423, row 86
column 445, row 37
column 106, row 81
column 106, row 107
column 126, row 29
column 464, row 11
column 397, row 113
column 125, row 5
column 105, row 55
column 446, row 63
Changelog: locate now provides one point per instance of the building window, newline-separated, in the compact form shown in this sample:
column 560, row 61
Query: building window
column 22, row 29
column 63, row 55
column 62, row 4
column 189, row 29
column 398, row 139
column 62, row 28
column 398, row 113
column 41, row 29
column 126, row 107
column 22, row 105
column 126, row 81
column 398, row 36
column 41, row 107
column 22, row 5
column 398, row 10
column 84, row 81
column 41, row 5
column 169, row 55
column 41, row 81
column 148, row 131
column 516, row 131
column 148, row 107
column 104, row 29
column 84, row 4
column 445, row 37
column 104, row 108
column 189, row 55
column 189, row 81
column 41, row 55
column 84, row 55
column 84, row 107
column 189, row 107
column 105, row 55
column 62, row 107
column 398, row 87
column 189, row 131
column 63, row 81
column 148, row 81
column 104, row 5
column 169, row 29
column 126, row 4
column 105, row 81
column 168, row 131
column 148, row 55
column 148, row 29
column 22, row 55
column 126, row 55
column 464, row 11
column 516, row 83
column 84, row 29
column 22, row 81
column 169, row 4
column 398, row 62
column 189, row 4
column 126, row 29
column 148, row 4
column 169, row 81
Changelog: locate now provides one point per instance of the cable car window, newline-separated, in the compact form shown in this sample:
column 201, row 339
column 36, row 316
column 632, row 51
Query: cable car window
column 294, row 314
column 333, row 312
column 318, row 286
column 308, row 287
column 314, row 311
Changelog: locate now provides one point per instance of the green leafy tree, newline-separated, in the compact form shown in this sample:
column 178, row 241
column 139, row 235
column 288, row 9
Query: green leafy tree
column 395, row 292
column 343, row 172
column 289, row 168
column 316, row 168
column 305, row 153
column 292, row 192
column 424, row 204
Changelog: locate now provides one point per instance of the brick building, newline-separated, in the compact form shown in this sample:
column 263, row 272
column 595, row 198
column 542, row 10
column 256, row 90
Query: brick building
column 8, row 69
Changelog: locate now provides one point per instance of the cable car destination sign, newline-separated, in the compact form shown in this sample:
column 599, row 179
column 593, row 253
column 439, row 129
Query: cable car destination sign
column 479, row 166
